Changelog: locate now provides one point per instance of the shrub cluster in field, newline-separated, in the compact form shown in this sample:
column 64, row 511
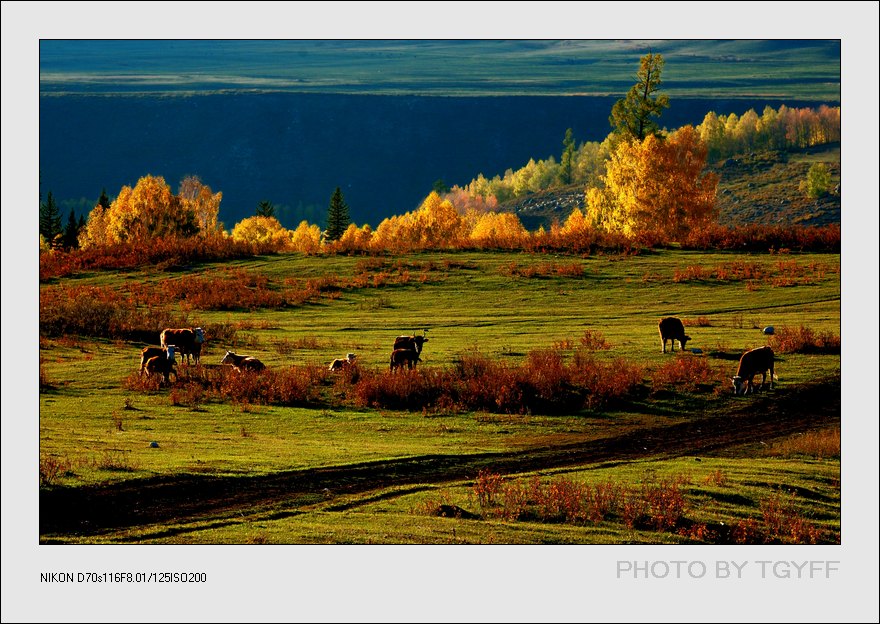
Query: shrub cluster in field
column 543, row 383
column 655, row 504
column 804, row 340
column 757, row 237
column 686, row 373
column 292, row 386
column 164, row 253
column 783, row 273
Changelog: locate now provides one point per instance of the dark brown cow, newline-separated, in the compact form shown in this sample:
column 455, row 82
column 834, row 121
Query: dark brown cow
column 399, row 357
column 410, row 342
column 751, row 363
column 150, row 352
column 163, row 364
column 672, row 329
column 188, row 341
column 242, row 363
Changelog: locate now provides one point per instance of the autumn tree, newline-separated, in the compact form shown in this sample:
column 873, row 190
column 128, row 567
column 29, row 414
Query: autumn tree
column 498, row 230
column 198, row 198
column 655, row 186
column 50, row 220
column 261, row 230
column 265, row 209
column 567, row 160
column 149, row 210
column 337, row 216
column 306, row 238
column 631, row 117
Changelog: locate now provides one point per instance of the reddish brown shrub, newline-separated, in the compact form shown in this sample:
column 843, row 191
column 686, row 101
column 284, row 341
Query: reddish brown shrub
column 804, row 340
column 688, row 373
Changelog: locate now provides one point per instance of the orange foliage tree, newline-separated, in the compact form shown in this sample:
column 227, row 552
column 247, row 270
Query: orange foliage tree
column 656, row 186
column 204, row 204
column 148, row 211
column 499, row 230
column 261, row 230
column 436, row 224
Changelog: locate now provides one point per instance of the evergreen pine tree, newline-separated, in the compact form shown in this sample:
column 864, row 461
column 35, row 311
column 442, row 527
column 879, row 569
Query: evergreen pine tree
column 50, row 219
column 337, row 216
column 71, row 232
column 631, row 116
column 103, row 200
column 567, row 157
column 265, row 209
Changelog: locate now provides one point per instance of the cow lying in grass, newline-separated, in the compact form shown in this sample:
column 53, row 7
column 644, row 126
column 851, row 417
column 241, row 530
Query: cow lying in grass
column 401, row 357
column 672, row 329
column 340, row 363
column 751, row 363
column 188, row 341
column 242, row 363
column 163, row 364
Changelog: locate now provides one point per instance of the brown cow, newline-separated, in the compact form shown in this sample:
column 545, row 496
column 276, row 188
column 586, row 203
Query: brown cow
column 672, row 329
column 414, row 343
column 242, row 363
column 163, row 364
column 399, row 357
column 751, row 363
column 150, row 352
column 187, row 341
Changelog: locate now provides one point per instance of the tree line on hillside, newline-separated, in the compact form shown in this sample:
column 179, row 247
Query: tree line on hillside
column 641, row 183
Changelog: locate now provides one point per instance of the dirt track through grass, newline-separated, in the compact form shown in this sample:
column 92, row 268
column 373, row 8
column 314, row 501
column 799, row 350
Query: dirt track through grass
column 91, row 510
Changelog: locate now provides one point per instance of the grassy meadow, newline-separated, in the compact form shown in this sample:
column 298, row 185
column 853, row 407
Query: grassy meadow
column 337, row 468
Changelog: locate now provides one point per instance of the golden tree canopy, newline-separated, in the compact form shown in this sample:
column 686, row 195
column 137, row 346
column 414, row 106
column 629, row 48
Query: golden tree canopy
column 656, row 185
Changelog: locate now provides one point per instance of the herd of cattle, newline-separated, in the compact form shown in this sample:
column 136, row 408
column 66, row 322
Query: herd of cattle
column 408, row 349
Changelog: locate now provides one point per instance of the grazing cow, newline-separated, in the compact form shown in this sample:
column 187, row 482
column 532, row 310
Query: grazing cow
column 242, row 363
column 672, row 329
column 339, row 363
column 751, row 363
column 399, row 357
column 150, row 352
column 187, row 341
column 163, row 364
column 414, row 343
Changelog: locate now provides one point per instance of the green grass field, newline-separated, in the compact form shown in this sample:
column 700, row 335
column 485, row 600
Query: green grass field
column 807, row 70
column 339, row 472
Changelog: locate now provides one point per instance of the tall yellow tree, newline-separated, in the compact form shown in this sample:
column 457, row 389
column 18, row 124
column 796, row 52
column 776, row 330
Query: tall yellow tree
column 149, row 210
column 656, row 185
column 202, row 202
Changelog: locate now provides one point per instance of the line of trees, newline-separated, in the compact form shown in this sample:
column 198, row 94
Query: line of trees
column 640, row 181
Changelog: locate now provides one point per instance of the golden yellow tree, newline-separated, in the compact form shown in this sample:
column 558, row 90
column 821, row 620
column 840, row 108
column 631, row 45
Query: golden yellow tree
column 202, row 202
column 656, row 185
column 355, row 238
column 305, row 238
column 94, row 234
column 438, row 224
column 147, row 211
column 261, row 230
column 498, row 230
